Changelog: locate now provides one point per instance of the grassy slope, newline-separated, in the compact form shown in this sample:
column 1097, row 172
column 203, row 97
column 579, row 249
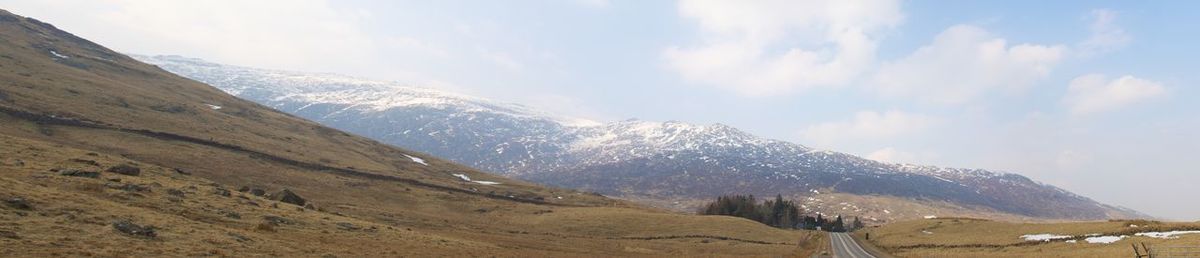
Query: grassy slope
column 960, row 237
column 134, row 112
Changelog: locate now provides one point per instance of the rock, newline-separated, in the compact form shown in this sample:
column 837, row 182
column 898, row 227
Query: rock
column 125, row 169
column 287, row 196
column 176, row 192
column 347, row 226
column 244, row 189
column 86, row 161
column 239, row 238
column 233, row 215
column 258, row 192
column 310, row 206
column 182, row 171
column 127, row 227
column 18, row 203
column 9, row 234
column 222, row 192
column 128, row 187
column 277, row 220
column 79, row 173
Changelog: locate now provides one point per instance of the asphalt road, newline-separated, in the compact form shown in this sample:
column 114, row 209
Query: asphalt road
column 845, row 247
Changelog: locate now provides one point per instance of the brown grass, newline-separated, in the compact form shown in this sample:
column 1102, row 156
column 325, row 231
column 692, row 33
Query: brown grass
column 958, row 237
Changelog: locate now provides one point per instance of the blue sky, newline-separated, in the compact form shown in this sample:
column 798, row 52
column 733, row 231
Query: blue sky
column 1092, row 96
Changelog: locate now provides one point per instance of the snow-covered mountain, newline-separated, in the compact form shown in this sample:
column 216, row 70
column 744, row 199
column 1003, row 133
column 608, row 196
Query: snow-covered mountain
column 665, row 160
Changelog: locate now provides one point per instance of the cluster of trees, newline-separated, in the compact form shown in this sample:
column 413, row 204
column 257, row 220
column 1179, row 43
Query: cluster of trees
column 776, row 213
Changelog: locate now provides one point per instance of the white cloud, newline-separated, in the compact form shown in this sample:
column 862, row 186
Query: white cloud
column 1105, row 36
column 963, row 63
column 891, row 155
column 283, row 34
column 1094, row 93
column 868, row 125
column 758, row 48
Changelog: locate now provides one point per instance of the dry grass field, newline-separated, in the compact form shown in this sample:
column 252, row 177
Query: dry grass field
column 71, row 108
column 964, row 237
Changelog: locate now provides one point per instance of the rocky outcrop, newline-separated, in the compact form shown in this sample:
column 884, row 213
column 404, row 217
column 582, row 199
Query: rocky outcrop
column 287, row 196
column 125, row 169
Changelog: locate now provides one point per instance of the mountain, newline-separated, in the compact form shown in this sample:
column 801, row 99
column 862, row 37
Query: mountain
column 672, row 164
column 103, row 155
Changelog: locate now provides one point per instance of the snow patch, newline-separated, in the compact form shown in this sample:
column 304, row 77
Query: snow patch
column 1104, row 239
column 1167, row 235
column 213, row 107
column 464, row 177
column 930, row 217
column 56, row 54
column 1043, row 237
column 422, row 161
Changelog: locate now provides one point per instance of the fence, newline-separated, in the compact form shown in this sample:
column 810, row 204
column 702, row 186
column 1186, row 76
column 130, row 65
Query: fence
column 1166, row 251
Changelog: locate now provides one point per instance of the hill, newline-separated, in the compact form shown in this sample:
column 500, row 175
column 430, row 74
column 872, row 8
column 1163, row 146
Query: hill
column 670, row 164
column 105, row 155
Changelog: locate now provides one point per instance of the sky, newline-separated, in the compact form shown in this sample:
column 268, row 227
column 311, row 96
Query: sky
column 1096, row 97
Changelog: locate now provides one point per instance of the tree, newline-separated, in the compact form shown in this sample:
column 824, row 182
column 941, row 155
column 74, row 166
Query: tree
column 777, row 213
column 838, row 225
column 857, row 224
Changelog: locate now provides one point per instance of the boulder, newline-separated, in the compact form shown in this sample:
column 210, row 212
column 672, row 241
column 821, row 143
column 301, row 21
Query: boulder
column 127, row 227
column 79, row 173
column 287, row 196
column 125, row 169
column 222, row 192
column 18, row 203
column 347, row 226
column 258, row 192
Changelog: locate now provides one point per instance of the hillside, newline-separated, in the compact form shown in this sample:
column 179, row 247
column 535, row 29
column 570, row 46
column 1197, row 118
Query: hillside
column 670, row 164
column 105, row 155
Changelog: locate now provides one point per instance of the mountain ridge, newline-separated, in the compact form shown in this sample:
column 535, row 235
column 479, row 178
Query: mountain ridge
column 631, row 157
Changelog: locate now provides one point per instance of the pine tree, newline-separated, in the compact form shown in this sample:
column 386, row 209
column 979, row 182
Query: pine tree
column 838, row 225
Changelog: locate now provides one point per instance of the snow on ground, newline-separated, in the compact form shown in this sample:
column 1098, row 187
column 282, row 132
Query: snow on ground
column 1167, row 235
column 463, row 177
column 1043, row 237
column 422, row 161
column 1104, row 239
column 213, row 107
column 930, row 217
column 926, row 232
column 56, row 54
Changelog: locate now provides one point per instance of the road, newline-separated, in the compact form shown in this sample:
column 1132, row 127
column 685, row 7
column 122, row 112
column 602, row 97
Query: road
column 845, row 247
